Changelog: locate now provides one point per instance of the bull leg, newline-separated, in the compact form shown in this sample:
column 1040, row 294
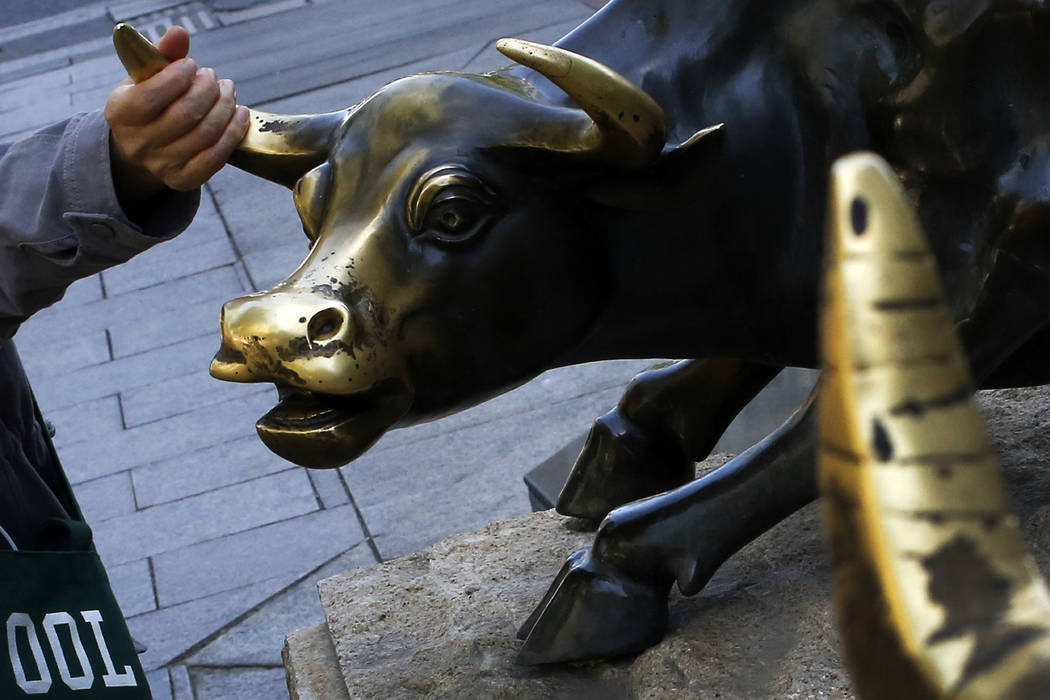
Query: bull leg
column 668, row 419
column 611, row 599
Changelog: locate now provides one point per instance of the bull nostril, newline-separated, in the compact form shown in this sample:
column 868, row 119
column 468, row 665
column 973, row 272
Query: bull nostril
column 325, row 325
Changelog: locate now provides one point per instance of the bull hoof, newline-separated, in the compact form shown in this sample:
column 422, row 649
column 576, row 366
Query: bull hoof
column 592, row 611
column 621, row 462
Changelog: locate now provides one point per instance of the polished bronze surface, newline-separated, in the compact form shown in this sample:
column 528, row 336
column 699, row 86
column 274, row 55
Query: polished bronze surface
column 668, row 419
column 141, row 58
column 626, row 120
column 936, row 593
column 350, row 334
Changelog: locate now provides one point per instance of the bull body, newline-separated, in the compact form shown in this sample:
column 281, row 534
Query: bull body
column 469, row 232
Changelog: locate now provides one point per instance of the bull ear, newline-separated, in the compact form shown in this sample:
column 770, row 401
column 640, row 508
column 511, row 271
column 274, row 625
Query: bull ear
column 282, row 148
column 678, row 173
column 627, row 125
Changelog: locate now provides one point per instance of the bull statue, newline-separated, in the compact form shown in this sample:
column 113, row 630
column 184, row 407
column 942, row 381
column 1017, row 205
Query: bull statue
column 471, row 231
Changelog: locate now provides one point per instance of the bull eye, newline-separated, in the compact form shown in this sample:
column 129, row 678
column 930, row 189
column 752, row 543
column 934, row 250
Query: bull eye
column 453, row 218
column 450, row 205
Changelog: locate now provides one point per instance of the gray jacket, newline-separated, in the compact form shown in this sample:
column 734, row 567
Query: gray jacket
column 60, row 220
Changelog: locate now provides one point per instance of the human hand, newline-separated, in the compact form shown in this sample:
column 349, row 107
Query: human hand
column 175, row 129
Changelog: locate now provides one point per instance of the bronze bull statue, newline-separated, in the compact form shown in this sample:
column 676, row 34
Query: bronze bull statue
column 470, row 231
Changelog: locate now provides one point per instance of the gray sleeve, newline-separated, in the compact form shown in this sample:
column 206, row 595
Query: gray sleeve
column 60, row 219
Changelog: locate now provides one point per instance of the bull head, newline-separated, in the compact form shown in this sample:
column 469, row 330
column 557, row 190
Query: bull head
column 403, row 193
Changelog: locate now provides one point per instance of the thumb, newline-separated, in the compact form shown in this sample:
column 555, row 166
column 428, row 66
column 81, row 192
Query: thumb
column 175, row 43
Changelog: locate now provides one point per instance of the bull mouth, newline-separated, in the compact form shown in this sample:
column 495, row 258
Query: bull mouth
column 325, row 431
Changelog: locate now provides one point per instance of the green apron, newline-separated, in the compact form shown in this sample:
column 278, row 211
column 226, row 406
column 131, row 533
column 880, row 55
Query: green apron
column 65, row 636
column 62, row 634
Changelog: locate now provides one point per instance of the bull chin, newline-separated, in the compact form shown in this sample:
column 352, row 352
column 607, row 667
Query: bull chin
column 327, row 431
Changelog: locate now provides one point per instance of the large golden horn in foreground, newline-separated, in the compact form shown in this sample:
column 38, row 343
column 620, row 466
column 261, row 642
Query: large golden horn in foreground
column 936, row 594
column 278, row 147
column 627, row 121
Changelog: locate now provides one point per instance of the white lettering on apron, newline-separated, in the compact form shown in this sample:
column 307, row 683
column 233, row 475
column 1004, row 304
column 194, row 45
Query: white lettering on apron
column 42, row 684
column 112, row 679
column 87, row 676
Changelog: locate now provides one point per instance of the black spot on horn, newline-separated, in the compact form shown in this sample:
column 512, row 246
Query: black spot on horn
column 858, row 215
column 880, row 439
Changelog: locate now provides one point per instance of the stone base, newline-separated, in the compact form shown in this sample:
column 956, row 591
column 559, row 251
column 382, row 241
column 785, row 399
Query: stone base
column 312, row 668
column 441, row 623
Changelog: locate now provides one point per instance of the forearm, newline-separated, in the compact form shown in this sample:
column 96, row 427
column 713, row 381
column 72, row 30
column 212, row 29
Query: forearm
column 61, row 219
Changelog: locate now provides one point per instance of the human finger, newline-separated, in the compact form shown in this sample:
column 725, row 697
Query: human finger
column 185, row 114
column 138, row 105
column 210, row 161
column 175, row 43
column 208, row 130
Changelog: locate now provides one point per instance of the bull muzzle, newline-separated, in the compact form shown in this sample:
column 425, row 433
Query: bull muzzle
column 293, row 338
column 341, row 387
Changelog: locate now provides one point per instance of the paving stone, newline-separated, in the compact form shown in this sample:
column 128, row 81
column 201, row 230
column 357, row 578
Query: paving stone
column 105, row 498
column 83, row 291
column 450, row 483
column 270, row 266
column 51, row 325
column 562, row 384
column 155, row 442
column 90, row 420
column 181, row 684
column 360, row 22
column 206, row 227
column 768, row 410
column 93, row 80
column 45, row 111
column 25, row 87
column 132, row 583
column 236, row 11
column 260, row 214
column 74, row 352
column 200, row 518
column 97, row 381
column 170, row 632
column 372, row 37
column 157, row 266
column 160, row 684
column 179, row 395
column 292, row 547
column 228, row 683
column 257, row 640
column 19, row 99
column 329, row 487
column 190, row 473
column 350, row 92
column 168, row 326
column 88, row 71
column 91, row 98
column 490, row 58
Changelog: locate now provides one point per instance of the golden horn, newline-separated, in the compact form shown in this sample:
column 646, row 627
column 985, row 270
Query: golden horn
column 278, row 147
column 139, row 56
column 629, row 120
column 936, row 594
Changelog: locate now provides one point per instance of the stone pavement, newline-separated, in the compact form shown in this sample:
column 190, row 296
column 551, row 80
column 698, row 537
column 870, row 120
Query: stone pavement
column 213, row 544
